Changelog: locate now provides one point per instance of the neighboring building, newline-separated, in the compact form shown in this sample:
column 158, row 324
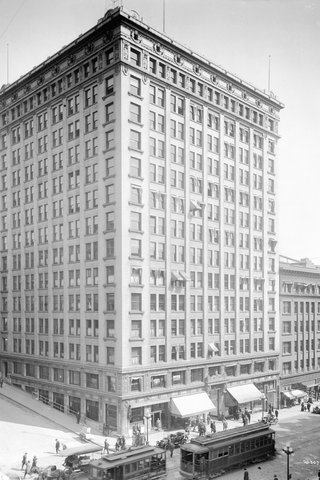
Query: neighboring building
column 299, row 328
column 138, row 229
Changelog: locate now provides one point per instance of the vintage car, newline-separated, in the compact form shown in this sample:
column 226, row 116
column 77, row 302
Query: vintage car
column 178, row 438
column 78, row 458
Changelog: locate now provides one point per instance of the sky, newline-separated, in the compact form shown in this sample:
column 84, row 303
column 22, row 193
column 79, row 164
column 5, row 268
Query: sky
column 240, row 36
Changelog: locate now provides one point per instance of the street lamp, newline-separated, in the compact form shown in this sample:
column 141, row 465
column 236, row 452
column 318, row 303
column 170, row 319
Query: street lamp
column 147, row 416
column 288, row 451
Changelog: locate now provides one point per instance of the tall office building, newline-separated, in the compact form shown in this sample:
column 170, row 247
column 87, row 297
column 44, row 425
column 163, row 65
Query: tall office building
column 138, row 229
column 300, row 329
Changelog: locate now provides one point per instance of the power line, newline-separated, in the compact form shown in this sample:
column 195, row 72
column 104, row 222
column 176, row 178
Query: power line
column 14, row 16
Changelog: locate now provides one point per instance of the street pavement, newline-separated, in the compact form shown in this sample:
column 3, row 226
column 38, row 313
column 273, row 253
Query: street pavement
column 54, row 424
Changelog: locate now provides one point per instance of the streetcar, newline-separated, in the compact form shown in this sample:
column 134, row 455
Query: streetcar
column 139, row 463
column 212, row 455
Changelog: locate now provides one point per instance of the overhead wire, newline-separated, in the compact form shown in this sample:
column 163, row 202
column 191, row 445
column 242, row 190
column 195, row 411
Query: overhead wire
column 12, row 19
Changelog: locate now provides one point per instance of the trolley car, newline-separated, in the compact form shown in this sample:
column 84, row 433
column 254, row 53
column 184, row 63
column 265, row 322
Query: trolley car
column 212, row 455
column 139, row 463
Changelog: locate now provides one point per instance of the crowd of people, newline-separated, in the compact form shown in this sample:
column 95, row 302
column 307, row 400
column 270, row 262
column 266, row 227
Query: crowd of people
column 29, row 467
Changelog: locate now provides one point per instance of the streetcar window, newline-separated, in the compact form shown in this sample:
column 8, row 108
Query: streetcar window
column 231, row 449
column 243, row 447
column 223, row 452
column 259, row 442
column 237, row 449
column 134, row 467
column 127, row 469
column 252, row 444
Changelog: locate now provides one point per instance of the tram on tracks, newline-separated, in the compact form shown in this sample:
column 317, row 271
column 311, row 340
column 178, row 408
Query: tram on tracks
column 211, row 455
column 139, row 463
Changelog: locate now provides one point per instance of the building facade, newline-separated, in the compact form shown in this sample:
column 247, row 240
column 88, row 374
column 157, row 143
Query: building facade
column 138, row 227
column 299, row 327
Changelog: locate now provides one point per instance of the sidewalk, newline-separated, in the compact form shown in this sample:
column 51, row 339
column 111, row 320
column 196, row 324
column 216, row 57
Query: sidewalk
column 69, row 422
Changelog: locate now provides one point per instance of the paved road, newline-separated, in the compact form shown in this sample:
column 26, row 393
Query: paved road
column 302, row 432
column 24, row 431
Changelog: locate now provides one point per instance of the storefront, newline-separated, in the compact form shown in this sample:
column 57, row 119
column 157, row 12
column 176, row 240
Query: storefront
column 311, row 387
column 190, row 406
column 292, row 397
column 240, row 397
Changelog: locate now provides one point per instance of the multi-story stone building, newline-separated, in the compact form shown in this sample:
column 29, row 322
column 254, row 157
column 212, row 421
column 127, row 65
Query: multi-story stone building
column 138, row 229
column 299, row 327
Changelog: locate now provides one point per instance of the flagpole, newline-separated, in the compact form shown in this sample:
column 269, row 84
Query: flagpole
column 7, row 63
column 269, row 74
column 164, row 15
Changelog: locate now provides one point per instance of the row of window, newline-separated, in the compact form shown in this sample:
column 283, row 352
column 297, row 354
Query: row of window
column 80, row 73
column 58, row 304
column 289, row 307
column 181, row 80
column 302, row 365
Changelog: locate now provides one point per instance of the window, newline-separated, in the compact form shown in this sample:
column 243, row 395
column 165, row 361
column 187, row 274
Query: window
column 135, row 57
column 92, row 379
column 135, row 167
column 109, row 85
column 135, row 221
column 136, row 302
column 135, row 140
column 135, row 112
column 136, row 355
column 135, row 86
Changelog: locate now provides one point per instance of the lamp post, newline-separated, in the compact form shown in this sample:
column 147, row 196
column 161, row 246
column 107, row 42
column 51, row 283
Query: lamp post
column 147, row 416
column 288, row 451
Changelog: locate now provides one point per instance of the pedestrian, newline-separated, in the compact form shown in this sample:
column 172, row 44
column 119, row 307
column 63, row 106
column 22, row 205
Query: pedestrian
column 34, row 462
column 247, row 414
column 1, row 381
column 276, row 412
column 213, row 426
column 24, row 460
column 245, row 474
column 158, row 424
column 244, row 419
column 106, row 446
column 225, row 424
column 27, row 469
column 78, row 416
column 171, row 448
column 57, row 445
column 302, row 407
column 275, row 477
column 308, row 406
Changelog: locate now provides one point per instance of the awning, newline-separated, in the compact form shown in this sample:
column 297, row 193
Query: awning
column 213, row 347
column 298, row 393
column 288, row 394
column 184, row 276
column 309, row 384
column 191, row 405
column 194, row 205
column 245, row 393
column 175, row 277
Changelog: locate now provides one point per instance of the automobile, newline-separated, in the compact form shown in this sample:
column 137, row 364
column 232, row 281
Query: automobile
column 178, row 438
column 51, row 473
column 316, row 410
column 85, row 433
column 78, row 458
